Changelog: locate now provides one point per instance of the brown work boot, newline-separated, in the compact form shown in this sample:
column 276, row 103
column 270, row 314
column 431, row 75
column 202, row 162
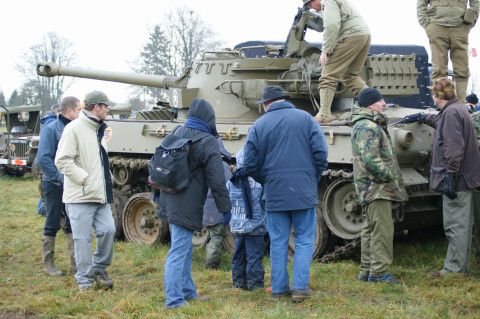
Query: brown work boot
column 48, row 252
column 324, row 115
column 71, row 254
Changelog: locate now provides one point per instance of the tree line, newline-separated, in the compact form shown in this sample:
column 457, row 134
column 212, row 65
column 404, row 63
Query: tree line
column 171, row 47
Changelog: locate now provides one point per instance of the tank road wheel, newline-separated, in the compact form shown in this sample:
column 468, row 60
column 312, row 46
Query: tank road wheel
column 321, row 237
column 200, row 238
column 342, row 209
column 121, row 175
column 140, row 224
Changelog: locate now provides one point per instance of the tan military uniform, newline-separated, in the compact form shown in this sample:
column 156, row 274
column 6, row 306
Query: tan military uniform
column 447, row 24
column 346, row 40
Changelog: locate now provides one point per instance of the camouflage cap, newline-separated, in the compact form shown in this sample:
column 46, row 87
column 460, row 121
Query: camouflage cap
column 97, row 97
column 305, row 2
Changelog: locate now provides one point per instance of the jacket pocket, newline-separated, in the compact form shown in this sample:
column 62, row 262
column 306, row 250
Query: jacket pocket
column 470, row 16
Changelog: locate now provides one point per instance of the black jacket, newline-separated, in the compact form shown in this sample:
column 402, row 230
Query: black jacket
column 206, row 171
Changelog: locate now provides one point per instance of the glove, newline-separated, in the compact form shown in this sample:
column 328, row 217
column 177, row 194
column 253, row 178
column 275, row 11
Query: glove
column 226, row 218
column 450, row 185
column 238, row 174
column 417, row 117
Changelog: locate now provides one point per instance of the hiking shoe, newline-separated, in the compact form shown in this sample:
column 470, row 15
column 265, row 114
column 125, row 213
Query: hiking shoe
column 388, row 278
column 103, row 280
column 300, row 295
column 363, row 276
column 439, row 274
column 279, row 295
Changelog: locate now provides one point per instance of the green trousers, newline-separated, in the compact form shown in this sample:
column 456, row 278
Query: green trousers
column 453, row 41
column 214, row 245
column 377, row 238
column 345, row 64
column 457, row 223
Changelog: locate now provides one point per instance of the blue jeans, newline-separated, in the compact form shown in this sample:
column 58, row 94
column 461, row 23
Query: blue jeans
column 279, row 224
column 178, row 282
column 84, row 217
column 54, row 209
column 247, row 268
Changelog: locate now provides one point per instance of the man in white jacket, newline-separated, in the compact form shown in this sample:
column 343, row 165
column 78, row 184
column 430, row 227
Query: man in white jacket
column 87, row 194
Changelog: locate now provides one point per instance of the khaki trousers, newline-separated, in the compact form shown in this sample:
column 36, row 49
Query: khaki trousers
column 457, row 223
column 345, row 64
column 453, row 40
column 377, row 238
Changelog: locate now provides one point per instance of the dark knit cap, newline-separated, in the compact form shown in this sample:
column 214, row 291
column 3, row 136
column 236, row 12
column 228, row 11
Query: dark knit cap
column 472, row 98
column 368, row 97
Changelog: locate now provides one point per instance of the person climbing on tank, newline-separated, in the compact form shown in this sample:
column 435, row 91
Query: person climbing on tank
column 346, row 40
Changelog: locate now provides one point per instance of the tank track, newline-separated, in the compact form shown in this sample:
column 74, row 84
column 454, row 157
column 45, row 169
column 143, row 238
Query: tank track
column 343, row 251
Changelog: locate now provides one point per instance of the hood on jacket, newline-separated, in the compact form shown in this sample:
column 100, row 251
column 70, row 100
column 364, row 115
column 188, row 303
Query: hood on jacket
column 49, row 117
column 367, row 114
column 203, row 110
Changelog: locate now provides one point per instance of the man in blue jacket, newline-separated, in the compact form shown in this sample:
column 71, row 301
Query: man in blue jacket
column 286, row 151
column 52, row 184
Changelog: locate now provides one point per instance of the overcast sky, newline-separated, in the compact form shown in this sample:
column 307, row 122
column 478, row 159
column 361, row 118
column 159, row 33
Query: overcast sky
column 107, row 34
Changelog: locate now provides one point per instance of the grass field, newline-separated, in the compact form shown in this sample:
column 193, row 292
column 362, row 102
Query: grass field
column 137, row 271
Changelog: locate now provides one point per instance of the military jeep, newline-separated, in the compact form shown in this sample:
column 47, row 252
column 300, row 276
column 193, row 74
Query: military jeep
column 18, row 146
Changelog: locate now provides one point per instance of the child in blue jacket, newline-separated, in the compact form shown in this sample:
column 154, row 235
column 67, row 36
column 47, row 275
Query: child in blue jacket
column 248, row 228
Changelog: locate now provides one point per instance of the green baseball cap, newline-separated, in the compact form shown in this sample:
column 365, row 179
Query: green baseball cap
column 97, row 97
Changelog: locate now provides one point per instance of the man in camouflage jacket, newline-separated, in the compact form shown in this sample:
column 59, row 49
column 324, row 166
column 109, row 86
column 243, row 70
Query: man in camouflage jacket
column 378, row 183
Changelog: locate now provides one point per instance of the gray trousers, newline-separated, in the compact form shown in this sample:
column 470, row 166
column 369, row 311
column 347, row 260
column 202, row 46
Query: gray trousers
column 215, row 245
column 457, row 223
column 476, row 223
column 85, row 217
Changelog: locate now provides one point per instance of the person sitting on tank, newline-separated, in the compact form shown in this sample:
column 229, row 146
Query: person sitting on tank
column 378, row 183
column 346, row 40
column 214, row 220
column 248, row 227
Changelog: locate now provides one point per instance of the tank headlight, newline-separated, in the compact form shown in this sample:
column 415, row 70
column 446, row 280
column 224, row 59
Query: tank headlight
column 12, row 148
column 30, row 144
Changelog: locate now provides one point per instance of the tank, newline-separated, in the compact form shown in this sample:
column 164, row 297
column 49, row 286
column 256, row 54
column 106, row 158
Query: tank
column 232, row 80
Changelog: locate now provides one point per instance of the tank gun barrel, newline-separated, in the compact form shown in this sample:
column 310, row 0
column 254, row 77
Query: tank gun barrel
column 159, row 81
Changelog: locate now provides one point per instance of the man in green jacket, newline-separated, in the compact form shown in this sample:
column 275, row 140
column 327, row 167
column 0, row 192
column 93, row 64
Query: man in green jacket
column 346, row 40
column 378, row 182
column 447, row 24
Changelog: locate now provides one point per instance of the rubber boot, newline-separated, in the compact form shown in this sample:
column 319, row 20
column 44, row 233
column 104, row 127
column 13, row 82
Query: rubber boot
column 326, row 99
column 48, row 251
column 71, row 254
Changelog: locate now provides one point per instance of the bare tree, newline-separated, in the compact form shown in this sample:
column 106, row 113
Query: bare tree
column 53, row 48
column 174, row 45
